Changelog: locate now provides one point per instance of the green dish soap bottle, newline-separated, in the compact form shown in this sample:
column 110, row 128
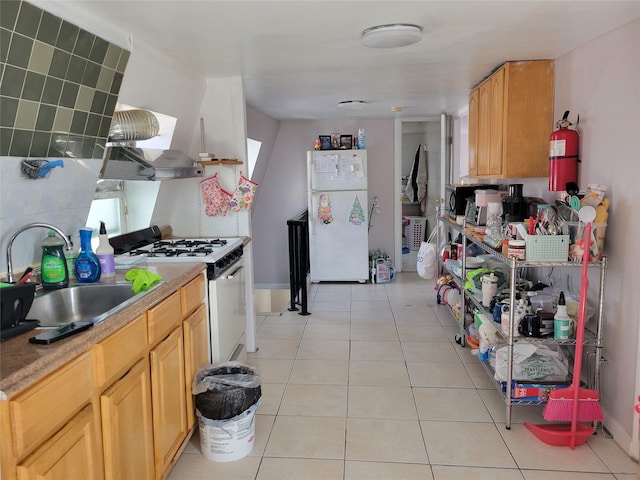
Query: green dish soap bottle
column 87, row 263
column 54, row 265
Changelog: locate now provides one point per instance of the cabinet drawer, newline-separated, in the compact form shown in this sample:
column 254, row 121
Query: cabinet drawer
column 192, row 294
column 163, row 318
column 64, row 392
column 114, row 355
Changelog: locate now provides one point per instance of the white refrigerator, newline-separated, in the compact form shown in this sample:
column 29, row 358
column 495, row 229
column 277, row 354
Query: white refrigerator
column 338, row 218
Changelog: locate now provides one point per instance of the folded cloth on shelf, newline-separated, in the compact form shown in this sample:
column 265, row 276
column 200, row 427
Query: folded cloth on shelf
column 141, row 279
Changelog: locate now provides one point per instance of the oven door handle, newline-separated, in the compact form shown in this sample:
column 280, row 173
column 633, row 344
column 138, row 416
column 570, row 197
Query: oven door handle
column 232, row 274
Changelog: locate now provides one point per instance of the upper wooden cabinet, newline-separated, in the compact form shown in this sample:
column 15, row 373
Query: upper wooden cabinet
column 473, row 130
column 510, row 120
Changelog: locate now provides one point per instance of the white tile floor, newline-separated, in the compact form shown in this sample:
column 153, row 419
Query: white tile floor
column 372, row 385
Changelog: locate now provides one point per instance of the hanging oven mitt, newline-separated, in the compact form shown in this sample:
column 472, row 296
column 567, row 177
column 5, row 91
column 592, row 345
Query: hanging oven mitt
column 219, row 203
column 215, row 198
column 243, row 196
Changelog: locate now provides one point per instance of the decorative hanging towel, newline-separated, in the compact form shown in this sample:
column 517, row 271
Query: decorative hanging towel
column 356, row 215
column 215, row 198
column 324, row 209
column 243, row 196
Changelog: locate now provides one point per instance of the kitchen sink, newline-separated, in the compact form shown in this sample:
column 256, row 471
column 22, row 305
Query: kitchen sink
column 85, row 302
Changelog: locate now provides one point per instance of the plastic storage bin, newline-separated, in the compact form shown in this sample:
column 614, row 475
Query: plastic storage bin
column 547, row 247
column 383, row 271
column 415, row 232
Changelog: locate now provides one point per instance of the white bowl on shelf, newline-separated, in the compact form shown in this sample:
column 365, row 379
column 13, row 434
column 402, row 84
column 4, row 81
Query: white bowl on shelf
column 472, row 263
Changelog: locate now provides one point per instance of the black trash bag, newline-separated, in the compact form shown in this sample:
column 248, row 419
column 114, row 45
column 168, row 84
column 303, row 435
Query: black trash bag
column 225, row 390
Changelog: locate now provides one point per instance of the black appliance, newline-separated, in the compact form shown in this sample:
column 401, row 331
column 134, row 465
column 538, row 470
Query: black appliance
column 457, row 197
column 517, row 208
column 15, row 302
column 514, row 206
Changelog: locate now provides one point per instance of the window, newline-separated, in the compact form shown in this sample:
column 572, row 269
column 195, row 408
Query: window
column 253, row 150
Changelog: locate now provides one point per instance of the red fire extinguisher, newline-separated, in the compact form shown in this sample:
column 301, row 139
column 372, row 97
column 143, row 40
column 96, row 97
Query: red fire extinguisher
column 563, row 155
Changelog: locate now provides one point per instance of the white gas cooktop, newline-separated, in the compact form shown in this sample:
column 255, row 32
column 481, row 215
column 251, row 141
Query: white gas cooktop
column 208, row 250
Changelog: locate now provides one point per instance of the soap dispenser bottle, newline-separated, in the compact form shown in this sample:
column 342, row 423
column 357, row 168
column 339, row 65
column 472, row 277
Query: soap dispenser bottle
column 87, row 265
column 105, row 254
column 71, row 254
column 53, row 268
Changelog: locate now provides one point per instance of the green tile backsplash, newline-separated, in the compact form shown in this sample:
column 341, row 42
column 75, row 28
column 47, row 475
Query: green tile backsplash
column 59, row 85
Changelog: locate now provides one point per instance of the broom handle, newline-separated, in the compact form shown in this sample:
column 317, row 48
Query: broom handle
column 582, row 313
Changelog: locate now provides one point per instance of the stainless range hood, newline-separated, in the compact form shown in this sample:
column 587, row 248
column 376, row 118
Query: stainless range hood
column 131, row 163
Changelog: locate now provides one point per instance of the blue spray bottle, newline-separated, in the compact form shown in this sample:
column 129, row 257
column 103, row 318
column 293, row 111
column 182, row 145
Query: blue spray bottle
column 87, row 263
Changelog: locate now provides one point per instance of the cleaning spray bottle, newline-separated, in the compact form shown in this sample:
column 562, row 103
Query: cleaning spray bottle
column 105, row 254
column 361, row 139
column 54, row 265
column 561, row 320
column 87, row 264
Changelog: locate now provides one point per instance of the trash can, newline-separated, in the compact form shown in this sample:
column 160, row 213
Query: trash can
column 227, row 396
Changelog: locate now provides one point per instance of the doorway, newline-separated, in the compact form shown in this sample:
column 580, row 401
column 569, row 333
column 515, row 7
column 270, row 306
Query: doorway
column 419, row 140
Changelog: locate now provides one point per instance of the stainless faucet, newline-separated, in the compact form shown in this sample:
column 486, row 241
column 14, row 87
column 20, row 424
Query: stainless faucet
column 27, row 227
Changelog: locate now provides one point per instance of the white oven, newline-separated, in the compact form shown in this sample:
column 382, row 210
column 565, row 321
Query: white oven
column 228, row 313
column 226, row 287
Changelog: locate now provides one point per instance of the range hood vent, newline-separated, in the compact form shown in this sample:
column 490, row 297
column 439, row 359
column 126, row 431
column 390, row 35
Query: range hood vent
column 130, row 163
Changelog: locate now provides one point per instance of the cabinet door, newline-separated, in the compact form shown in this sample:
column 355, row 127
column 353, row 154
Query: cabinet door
column 528, row 113
column 484, row 128
column 496, row 125
column 71, row 453
column 196, row 353
column 126, row 426
column 168, row 398
column 473, row 132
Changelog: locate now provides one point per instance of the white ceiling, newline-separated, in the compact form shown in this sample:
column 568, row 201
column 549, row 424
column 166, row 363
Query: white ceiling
column 298, row 59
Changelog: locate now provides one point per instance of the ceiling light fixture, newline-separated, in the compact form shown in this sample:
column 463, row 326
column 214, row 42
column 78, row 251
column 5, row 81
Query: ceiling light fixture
column 392, row 35
column 352, row 104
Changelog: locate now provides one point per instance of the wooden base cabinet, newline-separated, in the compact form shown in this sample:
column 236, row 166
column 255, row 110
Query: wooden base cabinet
column 126, row 426
column 120, row 410
column 71, row 453
column 510, row 120
column 168, row 399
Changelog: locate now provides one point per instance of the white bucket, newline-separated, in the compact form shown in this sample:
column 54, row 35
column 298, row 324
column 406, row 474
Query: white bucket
column 228, row 440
